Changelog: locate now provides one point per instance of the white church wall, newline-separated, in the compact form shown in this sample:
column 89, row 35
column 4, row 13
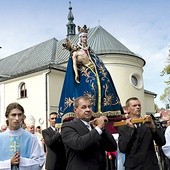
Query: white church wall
column 149, row 106
column 122, row 68
column 2, row 107
column 55, row 88
column 34, row 103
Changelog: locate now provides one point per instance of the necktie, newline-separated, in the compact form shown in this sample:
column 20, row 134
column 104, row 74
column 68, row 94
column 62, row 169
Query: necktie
column 138, row 125
column 88, row 126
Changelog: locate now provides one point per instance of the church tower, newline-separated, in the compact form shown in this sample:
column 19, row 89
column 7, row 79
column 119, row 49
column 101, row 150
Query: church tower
column 70, row 26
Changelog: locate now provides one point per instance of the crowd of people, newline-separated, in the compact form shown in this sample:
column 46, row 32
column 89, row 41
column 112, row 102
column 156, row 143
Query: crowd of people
column 83, row 142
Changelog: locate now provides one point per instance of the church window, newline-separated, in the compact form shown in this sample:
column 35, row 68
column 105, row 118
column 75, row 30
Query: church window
column 22, row 90
column 136, row 80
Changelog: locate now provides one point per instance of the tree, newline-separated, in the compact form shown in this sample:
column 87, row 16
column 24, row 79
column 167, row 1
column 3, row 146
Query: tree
column 165, row 97
column 166, row 69
column 156, row 108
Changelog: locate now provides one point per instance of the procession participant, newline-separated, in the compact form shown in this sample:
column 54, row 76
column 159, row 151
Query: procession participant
column 137, row 140
column 55, row 148
column 19, row 148
column 85, row 144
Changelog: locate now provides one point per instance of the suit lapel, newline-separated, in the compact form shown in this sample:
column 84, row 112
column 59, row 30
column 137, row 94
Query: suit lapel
column 142, row 131
column 80, row 124
column 51, row 131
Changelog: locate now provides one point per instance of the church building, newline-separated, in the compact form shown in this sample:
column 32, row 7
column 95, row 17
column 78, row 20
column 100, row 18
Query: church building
column 34, row 77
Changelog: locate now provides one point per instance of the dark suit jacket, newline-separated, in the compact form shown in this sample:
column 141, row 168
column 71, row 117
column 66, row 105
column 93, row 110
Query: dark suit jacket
column 138, row 146
column 55, row 159
column 85, row 150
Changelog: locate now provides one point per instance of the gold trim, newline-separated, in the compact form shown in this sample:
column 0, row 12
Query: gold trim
column 108, row 113
column 67, row 115
column 98, row 83
column 94, row 114
column 58, row 125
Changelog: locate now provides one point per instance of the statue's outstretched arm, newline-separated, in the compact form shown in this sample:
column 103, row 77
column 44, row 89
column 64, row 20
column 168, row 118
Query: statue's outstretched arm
column 74, row 57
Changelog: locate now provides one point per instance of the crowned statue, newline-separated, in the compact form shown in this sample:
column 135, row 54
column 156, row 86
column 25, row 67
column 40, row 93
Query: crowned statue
column 87, row 75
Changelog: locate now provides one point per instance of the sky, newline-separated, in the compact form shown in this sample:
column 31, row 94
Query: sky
column 143, row 26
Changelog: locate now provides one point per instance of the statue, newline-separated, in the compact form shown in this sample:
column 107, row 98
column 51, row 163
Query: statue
column 87, row 75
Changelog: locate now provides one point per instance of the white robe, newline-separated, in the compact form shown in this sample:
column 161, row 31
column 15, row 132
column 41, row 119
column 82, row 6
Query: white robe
column 166, row 147
column 31, row 155
column 120, row 158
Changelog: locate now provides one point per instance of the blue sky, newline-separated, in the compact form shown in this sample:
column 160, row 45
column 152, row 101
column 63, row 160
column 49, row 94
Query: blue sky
column 141, row 25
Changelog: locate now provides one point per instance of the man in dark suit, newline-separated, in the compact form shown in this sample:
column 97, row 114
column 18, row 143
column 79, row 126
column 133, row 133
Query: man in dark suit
column 137, row 140
column 55, row 159
column 85, row 144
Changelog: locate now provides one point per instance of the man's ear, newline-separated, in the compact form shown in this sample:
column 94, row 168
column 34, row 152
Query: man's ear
column 127, row 109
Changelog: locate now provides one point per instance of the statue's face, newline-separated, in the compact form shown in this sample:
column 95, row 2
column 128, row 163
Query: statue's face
column 84, row 38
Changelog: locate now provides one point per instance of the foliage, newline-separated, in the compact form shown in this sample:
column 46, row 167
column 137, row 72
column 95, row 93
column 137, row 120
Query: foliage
column 166, row 95
column 156, row 107
column 166, row 70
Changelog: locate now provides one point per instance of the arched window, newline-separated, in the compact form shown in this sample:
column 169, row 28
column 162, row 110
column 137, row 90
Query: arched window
column 22, row 90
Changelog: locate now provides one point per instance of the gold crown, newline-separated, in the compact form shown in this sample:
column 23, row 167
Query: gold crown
column 83, row 29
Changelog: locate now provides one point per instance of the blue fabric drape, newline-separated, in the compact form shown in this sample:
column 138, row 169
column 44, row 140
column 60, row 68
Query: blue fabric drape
column 95, row 82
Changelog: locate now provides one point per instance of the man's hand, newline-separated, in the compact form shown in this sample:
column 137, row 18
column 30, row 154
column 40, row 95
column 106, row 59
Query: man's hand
column 151, row 124
column 129, row 123
column 110, row 157
column 15, row 160
column 100, row 122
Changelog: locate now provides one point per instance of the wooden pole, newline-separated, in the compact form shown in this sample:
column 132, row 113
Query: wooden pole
column 139, row 120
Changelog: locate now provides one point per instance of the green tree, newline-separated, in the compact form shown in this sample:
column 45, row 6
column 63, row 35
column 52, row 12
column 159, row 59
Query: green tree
column 166, row 70
column 156, row 107
column 165, row 97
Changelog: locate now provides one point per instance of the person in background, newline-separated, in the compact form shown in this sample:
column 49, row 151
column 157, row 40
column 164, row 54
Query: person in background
column 38, row 131
column 30, row 127
column 111, row 156
column 20, row 149
column 3, row 128
column 120, row 157
column 55, row 158
column 23, row 125
column 137, row 140
column 30, row 124
column 125, row 110
column 86, row 140
column 166, row 147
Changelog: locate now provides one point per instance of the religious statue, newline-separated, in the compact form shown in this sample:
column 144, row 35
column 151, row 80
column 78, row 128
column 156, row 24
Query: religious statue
column 87, row 75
